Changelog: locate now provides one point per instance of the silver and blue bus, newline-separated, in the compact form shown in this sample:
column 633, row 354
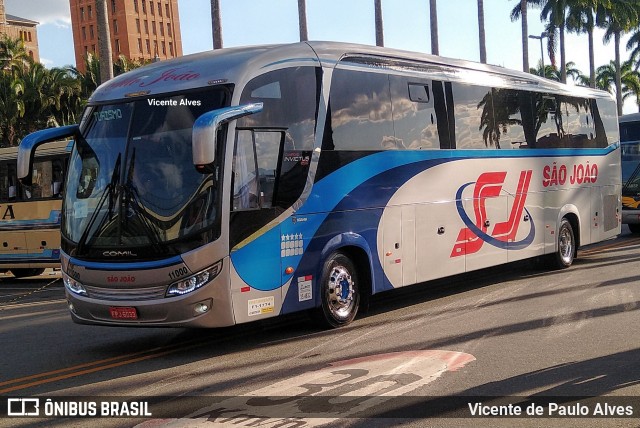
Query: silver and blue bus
column 241, row 184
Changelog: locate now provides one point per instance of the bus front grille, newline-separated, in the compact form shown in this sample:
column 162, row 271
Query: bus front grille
column 148, row 293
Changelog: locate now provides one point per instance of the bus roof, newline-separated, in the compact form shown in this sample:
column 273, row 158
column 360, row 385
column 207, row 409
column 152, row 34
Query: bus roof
column 236, row 65
column 631, row 117
column 47, row 149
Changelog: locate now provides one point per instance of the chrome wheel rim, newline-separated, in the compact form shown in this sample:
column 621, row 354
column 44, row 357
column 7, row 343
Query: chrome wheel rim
column 565, row 243
column 340, row 292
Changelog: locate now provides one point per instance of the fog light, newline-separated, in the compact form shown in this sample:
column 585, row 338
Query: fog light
column 202, row 307
column 71, row 307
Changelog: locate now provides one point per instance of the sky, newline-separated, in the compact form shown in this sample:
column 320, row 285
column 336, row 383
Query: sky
column 406, row 26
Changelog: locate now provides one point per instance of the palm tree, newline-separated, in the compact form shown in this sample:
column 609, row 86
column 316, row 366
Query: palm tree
column 216, row 23
column 124, row 64
column 33, row 97
column 632, row 84
column 104, row 41
column 555, row 12
column 65, row 92
column 606, row 78
column 481, row 32
column 12, row 108
column 617, row 18
column 520, row 12
column 302, row 20
column 378, row 18
column 551, row 72
column 90, row 79
column 13, row 54
column 581, row 19
column 433, row 14
column 36, row 98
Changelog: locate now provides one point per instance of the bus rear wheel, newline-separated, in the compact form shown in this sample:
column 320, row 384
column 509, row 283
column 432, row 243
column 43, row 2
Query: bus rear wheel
column 25, row 272
column 566, row 252
column 340, row 293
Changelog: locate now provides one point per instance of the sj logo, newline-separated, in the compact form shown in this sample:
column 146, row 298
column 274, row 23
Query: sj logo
column 475, row 234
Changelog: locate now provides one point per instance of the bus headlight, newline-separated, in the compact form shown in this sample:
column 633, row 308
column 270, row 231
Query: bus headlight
column 73, row 286
column 193, row 282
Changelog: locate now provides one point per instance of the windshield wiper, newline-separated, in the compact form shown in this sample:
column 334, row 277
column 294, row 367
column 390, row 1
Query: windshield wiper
column 108, row 193
column 132, row 199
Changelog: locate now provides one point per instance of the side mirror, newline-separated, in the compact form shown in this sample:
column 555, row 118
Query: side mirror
column 205, row 131
column 30, row 143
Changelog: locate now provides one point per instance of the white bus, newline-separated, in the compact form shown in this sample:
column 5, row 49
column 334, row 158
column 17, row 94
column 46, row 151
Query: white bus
column 30, row 215
column 240, row 184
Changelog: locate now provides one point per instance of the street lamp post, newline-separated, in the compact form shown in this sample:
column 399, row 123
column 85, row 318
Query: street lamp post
column 540, row 37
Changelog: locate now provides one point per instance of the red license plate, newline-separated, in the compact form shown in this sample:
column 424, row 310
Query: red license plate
column 123, row 313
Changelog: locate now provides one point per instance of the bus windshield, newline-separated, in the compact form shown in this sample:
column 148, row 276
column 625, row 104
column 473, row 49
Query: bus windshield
column 132, row 183
column 629, row 131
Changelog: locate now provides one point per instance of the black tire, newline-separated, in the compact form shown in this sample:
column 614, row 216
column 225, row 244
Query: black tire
column 566, row 252
column 339, row 292
column 634, row 228
column 25, row 272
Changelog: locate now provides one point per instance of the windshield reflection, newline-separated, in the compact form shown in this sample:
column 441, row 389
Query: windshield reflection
column 132, row 182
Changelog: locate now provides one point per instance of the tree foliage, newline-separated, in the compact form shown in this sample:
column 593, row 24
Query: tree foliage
column 33, row 97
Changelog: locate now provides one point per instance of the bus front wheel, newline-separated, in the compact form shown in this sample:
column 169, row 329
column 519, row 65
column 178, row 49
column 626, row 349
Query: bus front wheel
column 340, row 293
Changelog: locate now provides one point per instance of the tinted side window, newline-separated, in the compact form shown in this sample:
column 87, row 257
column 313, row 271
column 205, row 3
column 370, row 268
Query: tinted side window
column 48, row 179
column 273, row 147
column 547, row 121
column 474, row 117
column 605, row 119
column 419, row 115
column 290, row 102
column 569, row 122
column 513, row 118
column 8, row 181
column 360, row 116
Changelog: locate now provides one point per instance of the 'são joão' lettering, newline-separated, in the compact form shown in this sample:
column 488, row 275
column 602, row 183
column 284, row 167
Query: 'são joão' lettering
column 559, row 175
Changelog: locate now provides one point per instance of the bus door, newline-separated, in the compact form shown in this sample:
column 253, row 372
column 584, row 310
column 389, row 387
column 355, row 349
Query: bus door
column 255, row 246
column 269, row 174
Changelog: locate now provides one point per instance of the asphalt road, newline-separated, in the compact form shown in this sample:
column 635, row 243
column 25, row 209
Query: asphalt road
column 514, row 337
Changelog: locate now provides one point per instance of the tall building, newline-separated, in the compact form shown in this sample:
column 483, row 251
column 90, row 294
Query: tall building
column 140, row 29
column 20, row 28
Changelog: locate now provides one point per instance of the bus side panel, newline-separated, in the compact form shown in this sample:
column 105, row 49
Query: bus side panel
column 493, row 211
column 532, row 221
column 606, row 213
column 437, row 229
column 256, row 276
column 12, row 245
column 30, row 234
column 42, row 242
column 338, row 231
column 391, row 235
